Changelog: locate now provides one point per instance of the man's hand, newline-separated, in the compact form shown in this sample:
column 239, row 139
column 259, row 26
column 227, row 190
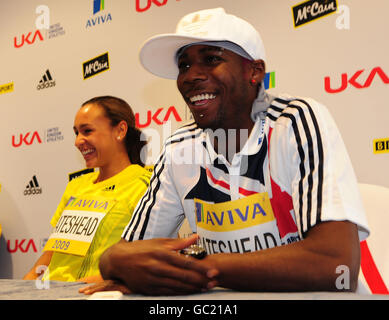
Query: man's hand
column 155, row 267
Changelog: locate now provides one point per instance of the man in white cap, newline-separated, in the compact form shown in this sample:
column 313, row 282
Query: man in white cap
column 269, row 189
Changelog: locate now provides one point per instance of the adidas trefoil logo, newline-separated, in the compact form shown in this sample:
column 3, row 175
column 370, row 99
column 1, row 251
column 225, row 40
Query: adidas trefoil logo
column 33, row 187
column 46, row 81
column 110, row 188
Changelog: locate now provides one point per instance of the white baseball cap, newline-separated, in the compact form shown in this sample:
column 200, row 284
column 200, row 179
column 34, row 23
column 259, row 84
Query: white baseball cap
column 158, row 54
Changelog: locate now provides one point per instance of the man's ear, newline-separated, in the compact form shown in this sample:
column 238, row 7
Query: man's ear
column 258, row 70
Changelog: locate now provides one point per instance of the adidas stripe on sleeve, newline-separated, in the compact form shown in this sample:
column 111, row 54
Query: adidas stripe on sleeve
column 160, row 213
column 309, row 160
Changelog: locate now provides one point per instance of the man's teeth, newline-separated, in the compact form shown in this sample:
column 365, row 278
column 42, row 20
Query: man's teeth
column 204, row 96
column 87, row 151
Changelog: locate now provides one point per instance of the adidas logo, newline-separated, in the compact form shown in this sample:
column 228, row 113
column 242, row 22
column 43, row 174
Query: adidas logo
column 33, row 187
column 46, row 81
column 111, row 188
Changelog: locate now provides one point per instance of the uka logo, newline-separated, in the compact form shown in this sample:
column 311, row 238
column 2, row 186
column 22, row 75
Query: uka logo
column 41, row 22
column 50, row 135
column 147, row 4
column 26, row 139
column 21, row 245
column 29, row 39
column 98, row 5
column 345, row 81
column 156, row 117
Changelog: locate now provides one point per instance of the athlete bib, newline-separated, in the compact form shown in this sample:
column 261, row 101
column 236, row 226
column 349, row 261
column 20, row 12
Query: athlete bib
column 242, row 225
column 76, row 228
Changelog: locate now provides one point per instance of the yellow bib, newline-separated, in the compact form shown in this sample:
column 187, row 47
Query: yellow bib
column 105, row 207
column 76, row 228
column 243, row 225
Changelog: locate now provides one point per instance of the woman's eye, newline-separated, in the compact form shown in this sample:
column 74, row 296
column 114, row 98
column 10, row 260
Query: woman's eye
column 85, row 132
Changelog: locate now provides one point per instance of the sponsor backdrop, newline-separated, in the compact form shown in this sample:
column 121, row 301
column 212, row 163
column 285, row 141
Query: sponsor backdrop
column 57, row 54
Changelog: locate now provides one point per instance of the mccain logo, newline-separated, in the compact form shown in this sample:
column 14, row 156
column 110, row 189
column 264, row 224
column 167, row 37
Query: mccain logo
column 95, row 66
column 311, row 10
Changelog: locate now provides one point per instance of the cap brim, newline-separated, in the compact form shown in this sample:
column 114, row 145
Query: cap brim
column 158, row 54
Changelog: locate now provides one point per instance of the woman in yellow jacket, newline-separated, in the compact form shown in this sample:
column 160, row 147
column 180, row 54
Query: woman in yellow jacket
column 96, row 207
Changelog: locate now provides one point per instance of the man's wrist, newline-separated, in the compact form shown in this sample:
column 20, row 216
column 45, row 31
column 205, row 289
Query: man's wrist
column 106, row 264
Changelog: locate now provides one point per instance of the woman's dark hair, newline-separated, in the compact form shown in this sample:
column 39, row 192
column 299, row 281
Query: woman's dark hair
column 116, row 110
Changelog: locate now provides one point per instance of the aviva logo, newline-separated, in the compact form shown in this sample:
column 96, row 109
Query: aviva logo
column 75, row 203
column 98, row 5
column 270, row 80
column 234, row 215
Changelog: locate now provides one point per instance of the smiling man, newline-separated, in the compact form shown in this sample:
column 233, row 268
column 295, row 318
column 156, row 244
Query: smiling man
column 272, row 196
column 218, row 98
